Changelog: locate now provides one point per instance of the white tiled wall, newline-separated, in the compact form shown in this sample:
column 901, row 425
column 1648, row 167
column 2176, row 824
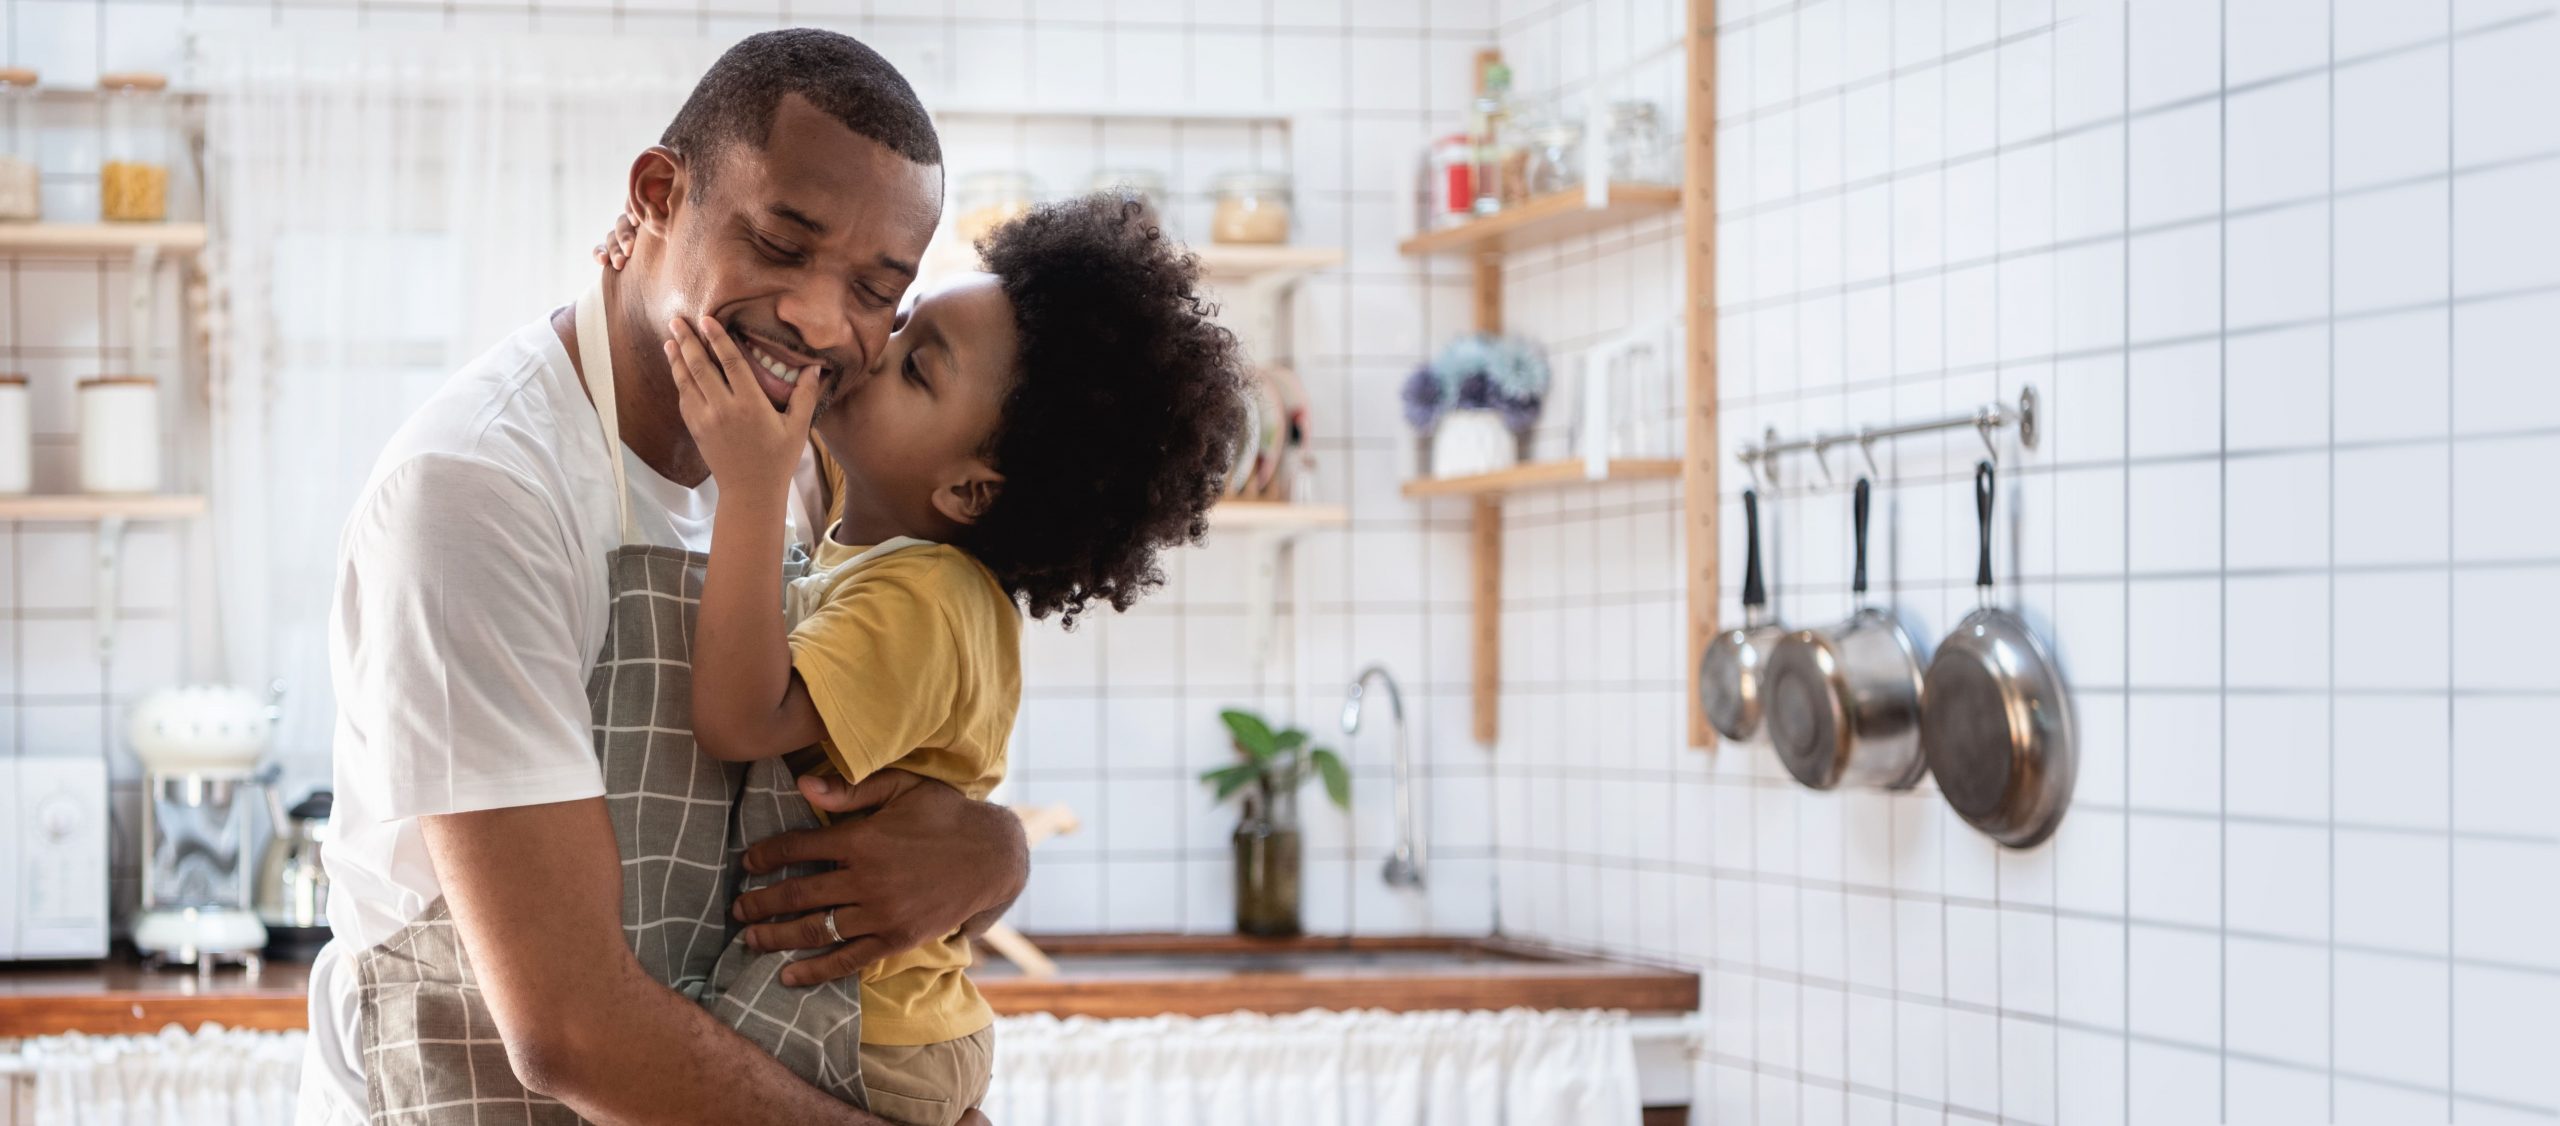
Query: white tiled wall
column 2284, row 275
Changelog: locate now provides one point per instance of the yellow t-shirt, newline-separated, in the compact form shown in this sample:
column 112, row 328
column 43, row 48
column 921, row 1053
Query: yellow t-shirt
column 912, row 654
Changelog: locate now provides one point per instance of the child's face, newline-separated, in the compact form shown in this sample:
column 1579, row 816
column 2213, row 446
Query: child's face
column 912, row 434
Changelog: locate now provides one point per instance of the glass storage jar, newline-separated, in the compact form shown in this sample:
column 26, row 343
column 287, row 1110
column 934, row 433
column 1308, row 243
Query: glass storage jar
column 21, row 188
column 133, row 183
column 1253, row 207
column 1636, row 151
column 17, row 461
column 120, row 434
column 1555, row 158
column 988, row 199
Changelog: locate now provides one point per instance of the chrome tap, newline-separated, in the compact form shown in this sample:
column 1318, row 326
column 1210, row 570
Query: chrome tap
column 1404, row 866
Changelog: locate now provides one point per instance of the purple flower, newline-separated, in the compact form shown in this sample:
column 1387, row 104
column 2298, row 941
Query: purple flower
column 1424, row 400
column 1520, row 413
column 1475, row 392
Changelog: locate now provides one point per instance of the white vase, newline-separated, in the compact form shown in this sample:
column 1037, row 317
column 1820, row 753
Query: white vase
column 1472, row 442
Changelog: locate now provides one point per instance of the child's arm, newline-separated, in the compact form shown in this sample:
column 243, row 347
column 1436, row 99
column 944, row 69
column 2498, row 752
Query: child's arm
column 747, row 703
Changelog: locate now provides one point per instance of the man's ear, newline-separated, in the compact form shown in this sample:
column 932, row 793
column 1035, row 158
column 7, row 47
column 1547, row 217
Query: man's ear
column 966, row 501
column 656, row 189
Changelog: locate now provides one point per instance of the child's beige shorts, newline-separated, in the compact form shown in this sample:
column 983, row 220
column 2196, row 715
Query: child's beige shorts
column 929, row 1084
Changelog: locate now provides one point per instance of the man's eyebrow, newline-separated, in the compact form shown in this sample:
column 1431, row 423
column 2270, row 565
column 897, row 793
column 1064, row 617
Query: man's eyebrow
column 792, row 214
column 898, row 265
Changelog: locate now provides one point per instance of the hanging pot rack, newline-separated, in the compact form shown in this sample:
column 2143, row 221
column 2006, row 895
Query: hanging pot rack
column 1762, row 459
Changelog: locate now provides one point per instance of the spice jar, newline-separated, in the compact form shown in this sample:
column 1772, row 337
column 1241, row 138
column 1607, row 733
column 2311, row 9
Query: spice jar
column 16, row 460
column 1636, row 152
column 21, row 188
column 120, row 434
column 133, row 184
column 1253, row 207
column 989, row 199
column 1144, row 185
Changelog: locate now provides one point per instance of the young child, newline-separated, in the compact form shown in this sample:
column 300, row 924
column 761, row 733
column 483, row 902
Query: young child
column 1031, row 437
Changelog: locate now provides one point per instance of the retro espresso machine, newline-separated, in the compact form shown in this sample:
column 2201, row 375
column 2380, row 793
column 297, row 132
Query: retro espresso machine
column 201, row 794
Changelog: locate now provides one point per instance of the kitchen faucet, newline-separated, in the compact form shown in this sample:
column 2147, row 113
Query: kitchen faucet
column 1404, row 866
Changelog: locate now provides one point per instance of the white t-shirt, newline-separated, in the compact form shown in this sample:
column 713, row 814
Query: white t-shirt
column 470, row 609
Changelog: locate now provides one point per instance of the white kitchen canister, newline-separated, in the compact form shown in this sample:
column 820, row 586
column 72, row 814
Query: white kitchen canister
column 16, row 453
column 120, row 434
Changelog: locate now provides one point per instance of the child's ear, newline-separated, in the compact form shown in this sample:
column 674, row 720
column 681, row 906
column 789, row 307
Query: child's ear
column 966, row 501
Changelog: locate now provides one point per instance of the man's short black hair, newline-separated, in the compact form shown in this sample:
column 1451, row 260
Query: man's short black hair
column 736, row 98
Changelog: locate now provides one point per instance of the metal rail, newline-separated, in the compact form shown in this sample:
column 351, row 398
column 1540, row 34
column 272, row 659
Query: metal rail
column 1761, row 458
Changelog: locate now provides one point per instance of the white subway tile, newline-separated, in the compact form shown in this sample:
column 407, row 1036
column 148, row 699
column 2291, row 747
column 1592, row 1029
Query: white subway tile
column 1144, row 895
column 2498, row 1017
column 2391, row 248
column 2177, row 165
column 2095, row 1062
column 2176, row 283
column 2170, row 1084
column 2399, row 514
column 2278, row 264
column 2391, row 630
column 2505, row 235
column 2391, row 890
column 2167, row 62
column 2391, row 1018
column 2496, row 767
column 2496, row 616
column 2090, row 183
column 2365, row 26
column 2277, row 760
column 2392, row 760
column 2265, row 38
column 2497, row 78
column 2391, row 118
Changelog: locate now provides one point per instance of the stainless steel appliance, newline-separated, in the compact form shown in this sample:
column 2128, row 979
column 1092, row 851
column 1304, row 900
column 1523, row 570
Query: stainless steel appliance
column 53, row 858
column 199, row 748
column 293, row 889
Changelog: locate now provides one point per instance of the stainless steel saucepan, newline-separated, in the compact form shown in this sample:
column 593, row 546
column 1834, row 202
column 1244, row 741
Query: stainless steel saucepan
column 1998, row 733
column 1843, row 704
column 1729, row 674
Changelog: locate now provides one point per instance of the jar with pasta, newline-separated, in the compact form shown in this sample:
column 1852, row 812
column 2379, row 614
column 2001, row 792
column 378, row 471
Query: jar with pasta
column 21, row 188
column 1252, row 207
column 133, row 183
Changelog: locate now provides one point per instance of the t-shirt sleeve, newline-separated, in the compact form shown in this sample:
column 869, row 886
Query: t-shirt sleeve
column 460, row 675
column 882, row 666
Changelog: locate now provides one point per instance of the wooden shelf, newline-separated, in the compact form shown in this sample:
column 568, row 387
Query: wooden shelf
column 1546, row 219
column 1543, row 475
column 1228, row 262
column 99, row 238
column 83, row 507
column 1277, row 515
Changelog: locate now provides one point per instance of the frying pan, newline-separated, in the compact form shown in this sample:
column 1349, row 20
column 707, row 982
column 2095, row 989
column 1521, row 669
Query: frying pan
column 1843, row 705
column 1998, row 733
column 1729, row 674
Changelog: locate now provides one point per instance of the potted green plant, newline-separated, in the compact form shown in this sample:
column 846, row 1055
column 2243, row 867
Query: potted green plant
column 1267, row 840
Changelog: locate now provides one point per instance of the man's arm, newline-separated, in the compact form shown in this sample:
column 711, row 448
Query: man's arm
column 925, row 863
column 536, row 892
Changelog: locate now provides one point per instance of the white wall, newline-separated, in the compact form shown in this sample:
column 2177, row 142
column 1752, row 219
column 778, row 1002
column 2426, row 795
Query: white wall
column 2284, row 274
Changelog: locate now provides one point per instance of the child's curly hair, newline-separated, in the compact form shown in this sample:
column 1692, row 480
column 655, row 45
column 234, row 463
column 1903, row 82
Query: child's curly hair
column 1123, row 419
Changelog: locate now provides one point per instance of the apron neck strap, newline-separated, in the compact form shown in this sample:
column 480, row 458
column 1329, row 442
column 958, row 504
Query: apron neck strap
column 595, row 361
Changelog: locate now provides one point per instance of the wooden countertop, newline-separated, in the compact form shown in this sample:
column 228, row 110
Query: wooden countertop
column 1099, row 976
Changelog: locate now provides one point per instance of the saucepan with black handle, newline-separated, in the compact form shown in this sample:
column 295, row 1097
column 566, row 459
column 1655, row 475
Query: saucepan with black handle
column 1729, row 674
column 1843, row 704
column 1998, row 732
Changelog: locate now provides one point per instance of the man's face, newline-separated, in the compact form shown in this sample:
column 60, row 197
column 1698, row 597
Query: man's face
column 801, row 247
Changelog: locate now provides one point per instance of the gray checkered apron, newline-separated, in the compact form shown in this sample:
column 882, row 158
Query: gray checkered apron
column 432, row 1056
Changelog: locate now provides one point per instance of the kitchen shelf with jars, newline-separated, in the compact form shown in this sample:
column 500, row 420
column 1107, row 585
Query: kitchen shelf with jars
column 118, row 473
column 1524, row 174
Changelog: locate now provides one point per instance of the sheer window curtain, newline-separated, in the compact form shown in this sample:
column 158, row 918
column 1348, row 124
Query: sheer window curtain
column 384, row 208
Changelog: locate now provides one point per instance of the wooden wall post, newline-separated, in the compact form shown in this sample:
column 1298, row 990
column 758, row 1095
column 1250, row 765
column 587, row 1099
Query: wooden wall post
column 1700, row 501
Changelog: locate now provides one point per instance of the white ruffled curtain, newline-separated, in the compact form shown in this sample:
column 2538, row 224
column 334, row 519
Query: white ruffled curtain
column 210, row 1077
column 1522, row 1067
column 384, row 209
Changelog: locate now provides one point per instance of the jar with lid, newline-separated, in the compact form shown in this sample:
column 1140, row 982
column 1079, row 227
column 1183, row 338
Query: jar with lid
column 21, row 188
column 1252, row 207
column 1555, row 158
column 17, row 460
column 1142, row 184
column 989, row 199
column 133, row 183
column 1636, row 151
column 120, row 434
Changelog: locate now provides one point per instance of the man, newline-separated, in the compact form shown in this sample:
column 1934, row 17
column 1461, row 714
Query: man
column 533, row 865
